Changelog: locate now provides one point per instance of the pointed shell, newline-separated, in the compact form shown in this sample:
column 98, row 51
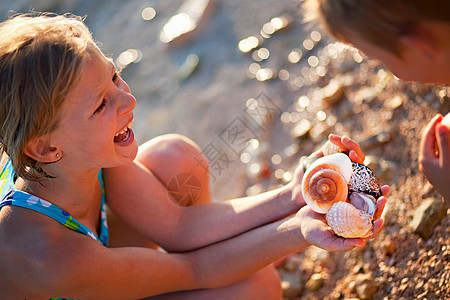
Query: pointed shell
column 325, row 182
column 363, row 180
column 348, row 221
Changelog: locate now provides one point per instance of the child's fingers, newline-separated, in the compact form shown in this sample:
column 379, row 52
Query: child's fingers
column 350, row 244
column 377, row 226
column 385, row 189
column 334, row 138
column 381, row 203
column 352, row 145
column 428, row 141
column 443, row 143
column 349, row 146
column 355, row 157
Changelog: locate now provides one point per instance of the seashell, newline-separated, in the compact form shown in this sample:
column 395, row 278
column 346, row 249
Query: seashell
column 343, row 190
column 364, row 181
column 348, row 221
column 326, row 182
column 364, row 202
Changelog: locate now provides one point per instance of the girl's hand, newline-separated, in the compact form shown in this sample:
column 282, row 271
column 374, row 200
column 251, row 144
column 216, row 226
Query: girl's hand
column 434, row 156
column 316, row 231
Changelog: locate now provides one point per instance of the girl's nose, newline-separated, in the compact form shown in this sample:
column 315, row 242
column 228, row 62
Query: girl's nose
column 127, row 103
column 127, row 100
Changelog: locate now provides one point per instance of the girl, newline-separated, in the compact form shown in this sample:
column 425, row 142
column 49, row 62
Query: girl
column 66, row 126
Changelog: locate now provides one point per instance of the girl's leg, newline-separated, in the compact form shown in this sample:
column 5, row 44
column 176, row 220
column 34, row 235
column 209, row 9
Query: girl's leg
column 179, row 164
column 263, row 285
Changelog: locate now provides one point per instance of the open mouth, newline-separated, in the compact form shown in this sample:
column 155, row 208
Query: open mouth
column 125, row 135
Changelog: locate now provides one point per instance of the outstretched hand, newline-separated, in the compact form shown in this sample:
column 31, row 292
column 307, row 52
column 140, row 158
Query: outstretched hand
column 434, row 157
column 316, row 231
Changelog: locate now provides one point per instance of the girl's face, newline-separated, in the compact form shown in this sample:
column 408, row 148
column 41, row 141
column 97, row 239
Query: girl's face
column 94, row 129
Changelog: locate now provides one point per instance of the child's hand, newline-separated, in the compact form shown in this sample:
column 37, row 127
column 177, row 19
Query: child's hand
column 434, row 157
column 348, row 146
column 316, row 231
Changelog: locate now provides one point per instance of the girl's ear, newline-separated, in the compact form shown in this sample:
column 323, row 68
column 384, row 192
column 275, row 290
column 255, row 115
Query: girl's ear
column 40, row 150
column 422, row 39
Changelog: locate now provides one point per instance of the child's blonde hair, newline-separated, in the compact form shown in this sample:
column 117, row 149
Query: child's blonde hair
column 40, row 62
column 380, row 22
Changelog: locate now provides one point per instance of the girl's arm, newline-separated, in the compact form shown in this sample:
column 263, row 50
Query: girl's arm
column 90, row 271
column 146, row 206
column 136, row 195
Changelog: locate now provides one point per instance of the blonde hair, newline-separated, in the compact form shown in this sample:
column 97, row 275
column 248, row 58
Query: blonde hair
column 380, row 22
column 40, row 62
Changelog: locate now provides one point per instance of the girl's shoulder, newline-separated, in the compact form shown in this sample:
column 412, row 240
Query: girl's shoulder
column 30, row 234
column 36, row 251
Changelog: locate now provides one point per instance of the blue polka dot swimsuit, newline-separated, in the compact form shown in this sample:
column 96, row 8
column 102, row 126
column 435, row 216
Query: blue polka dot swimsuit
column 10, row 196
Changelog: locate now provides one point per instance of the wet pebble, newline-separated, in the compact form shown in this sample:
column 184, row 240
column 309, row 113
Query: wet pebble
column 291, row 283
column 427, row 216
column 375, row 141
column 389, row 245
column 365, row 95
column 301, row 128
column 319, row 132
column 315, row 282
column 332, row 93
column 365, row 286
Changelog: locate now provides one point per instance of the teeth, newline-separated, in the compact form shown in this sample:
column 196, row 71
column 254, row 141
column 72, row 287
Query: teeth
column 129, row 125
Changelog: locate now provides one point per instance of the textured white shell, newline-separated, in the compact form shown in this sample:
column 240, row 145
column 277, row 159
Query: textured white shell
column 348, row 221
column 337, row 162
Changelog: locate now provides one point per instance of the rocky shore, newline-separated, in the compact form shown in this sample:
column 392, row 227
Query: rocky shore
column 257, row 70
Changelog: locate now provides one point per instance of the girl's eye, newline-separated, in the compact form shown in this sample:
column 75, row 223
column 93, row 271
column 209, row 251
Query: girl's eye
column 101, row 107
column 116, row 75
column 103, row 104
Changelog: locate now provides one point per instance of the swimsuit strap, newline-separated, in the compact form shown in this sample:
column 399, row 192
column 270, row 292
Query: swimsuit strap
column 11, row 196
column 104, row 232
column 6, row 179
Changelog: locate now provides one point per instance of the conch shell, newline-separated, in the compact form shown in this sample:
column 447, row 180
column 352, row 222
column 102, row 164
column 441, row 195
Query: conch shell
column 343, row 190
column 326, row 182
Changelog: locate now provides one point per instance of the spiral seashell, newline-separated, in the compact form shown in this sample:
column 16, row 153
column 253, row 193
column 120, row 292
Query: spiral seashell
column 348, row 221
column 325, row 182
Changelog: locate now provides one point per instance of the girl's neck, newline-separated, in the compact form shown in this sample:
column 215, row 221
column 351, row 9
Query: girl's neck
column 79, row 193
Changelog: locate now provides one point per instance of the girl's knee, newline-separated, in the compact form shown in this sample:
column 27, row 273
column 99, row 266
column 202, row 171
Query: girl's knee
column 179, row 164
column 173, row 148
column 269, row 278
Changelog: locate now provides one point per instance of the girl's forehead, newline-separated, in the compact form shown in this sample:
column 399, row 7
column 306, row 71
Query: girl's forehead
column 95, row 54
column 96, row 69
